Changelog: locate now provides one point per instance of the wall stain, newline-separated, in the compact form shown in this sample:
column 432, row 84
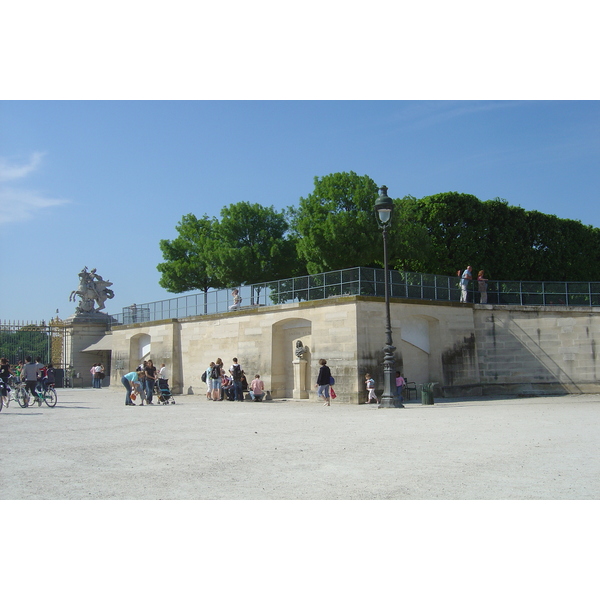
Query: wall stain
column 459, row 361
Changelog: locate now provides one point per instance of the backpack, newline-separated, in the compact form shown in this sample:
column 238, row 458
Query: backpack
column 203, row 377
column 50, row 375
column 216, row 372
column 236, row 372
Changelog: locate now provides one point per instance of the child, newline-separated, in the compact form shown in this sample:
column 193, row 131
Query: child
column 371, row 389
column 400, row 383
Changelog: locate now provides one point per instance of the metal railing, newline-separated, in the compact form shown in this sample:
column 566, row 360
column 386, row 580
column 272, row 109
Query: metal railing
column 363, row 281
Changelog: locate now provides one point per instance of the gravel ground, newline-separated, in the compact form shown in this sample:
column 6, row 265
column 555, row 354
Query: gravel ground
column 91, row 446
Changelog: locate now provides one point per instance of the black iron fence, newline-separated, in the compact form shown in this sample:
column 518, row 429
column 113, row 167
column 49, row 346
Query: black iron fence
column 364, row 281
column 48, row 341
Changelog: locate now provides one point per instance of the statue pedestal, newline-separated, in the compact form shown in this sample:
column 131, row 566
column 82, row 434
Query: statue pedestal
column 300, row 390
column 83, row 331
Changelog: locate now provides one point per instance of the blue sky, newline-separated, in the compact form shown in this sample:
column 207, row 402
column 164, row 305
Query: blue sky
column 99, row 183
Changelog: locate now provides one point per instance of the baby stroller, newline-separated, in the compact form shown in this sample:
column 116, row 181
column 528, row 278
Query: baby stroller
column 162, row 391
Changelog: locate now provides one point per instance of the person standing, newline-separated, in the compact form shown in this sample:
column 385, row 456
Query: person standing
column 464, row 283
column 482, row 283
column 236, row 375
column 257, row 389
column 141, row 371
column 323, row 382
column 150, row 370
column 163, row 376
column 400, row 383
column 207, row 380
column 99, row 373
column 215, row 379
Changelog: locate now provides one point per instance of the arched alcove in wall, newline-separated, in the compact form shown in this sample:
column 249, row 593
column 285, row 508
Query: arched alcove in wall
column 420, row 334
column 285, row 335
column 139, row 349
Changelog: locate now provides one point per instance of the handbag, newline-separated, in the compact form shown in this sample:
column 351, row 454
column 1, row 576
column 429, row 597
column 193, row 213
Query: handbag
column 332, row 393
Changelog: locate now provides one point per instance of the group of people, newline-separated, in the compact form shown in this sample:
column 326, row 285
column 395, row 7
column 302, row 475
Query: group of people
column 97, row 372
column 142, row 381
column 370, row 383
column 33, row 373
column 231, row 384
column 467, row 276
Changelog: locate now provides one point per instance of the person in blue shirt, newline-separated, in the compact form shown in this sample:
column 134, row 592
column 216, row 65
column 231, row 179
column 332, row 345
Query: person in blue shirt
column 464, row 282
column 131, row 382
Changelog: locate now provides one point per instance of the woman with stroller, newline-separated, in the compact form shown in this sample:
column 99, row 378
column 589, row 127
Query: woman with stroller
column 150, row 370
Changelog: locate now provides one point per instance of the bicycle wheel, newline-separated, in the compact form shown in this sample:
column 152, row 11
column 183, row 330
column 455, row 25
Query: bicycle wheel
column 22, row 397
column 50, row 397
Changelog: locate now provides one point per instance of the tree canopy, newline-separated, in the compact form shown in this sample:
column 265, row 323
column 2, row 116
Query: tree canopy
column 188, row 265
column 248, row 245
column 335, row 227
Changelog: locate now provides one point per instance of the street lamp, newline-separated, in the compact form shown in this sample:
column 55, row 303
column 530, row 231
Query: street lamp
column 385, row 207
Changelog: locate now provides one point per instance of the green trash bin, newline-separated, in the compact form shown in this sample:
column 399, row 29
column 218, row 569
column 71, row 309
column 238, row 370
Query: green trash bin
column 427, row 393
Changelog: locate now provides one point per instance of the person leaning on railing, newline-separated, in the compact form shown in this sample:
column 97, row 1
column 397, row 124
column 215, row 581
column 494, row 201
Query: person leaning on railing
column 482, row 283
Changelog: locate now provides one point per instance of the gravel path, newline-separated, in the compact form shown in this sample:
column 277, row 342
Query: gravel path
column 91, row 446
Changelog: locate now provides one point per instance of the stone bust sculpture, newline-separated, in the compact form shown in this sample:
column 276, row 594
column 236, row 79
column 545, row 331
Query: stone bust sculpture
column 300, row 349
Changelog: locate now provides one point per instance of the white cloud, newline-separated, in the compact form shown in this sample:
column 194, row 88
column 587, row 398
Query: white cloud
column 13, row 171
column 22, row 204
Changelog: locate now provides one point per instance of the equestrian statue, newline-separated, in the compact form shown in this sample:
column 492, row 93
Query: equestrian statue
column 92, row 288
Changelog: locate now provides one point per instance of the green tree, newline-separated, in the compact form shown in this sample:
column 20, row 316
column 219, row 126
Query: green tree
column 336, row 225
column 409, row 242
column 561, row 249
column 247, row 246
column 189, row 258
column 254, row 246
column 452, row 221
column 506, row 241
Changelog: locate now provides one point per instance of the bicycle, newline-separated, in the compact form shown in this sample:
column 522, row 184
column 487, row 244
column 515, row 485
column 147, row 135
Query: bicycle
column 16, row 392
column 48, row 395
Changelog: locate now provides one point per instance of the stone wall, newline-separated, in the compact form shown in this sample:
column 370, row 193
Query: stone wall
column 538, row 350
column 466, row 349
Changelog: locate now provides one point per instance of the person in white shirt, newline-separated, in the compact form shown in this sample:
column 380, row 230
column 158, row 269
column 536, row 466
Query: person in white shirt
column 237, row 300
column 163, row 375
column 98, row 369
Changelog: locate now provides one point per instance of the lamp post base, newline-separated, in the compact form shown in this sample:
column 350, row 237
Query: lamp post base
column 390, row 403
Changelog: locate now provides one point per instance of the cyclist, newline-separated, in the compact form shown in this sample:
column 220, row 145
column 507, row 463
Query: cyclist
column 49, row 377
column 29, row 374
column 5, row 373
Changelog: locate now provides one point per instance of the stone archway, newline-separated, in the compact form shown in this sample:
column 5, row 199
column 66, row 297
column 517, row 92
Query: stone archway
column 139, row 349
column 285, row 334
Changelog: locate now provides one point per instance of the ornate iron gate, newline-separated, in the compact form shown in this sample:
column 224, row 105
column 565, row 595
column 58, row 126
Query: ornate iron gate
column 48, row 341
